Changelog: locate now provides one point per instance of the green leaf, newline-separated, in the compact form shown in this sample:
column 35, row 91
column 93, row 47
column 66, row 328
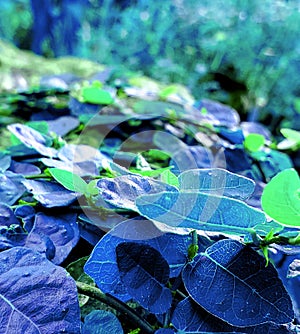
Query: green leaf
column 169, row 90
column 96, row 95
column 69, row 180
column 254, row 142
column 170, row 178
column 281, row 198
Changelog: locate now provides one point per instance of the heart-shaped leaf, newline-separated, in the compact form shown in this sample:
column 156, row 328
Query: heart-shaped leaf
column 281, row 198
column 189, row 317
column 200, row 211
column 36, row 296
column 102, row 264
column 217, row 181
column 145, row 273
column 232, row 282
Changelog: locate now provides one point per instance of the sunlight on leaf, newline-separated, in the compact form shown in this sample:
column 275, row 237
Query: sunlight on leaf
column 254, row 142
column 280, row 198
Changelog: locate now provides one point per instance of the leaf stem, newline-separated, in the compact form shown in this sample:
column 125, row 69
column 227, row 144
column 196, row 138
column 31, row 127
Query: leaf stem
column 118, row 305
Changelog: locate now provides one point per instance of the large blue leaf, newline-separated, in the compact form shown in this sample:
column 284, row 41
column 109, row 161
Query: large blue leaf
column 32, row 139
column 200, row 211
column 60, row 231
column 101, row 322
column 123, row 190
column 232, row 282
column 189, row 317
column 11, row 187
column 217, row 181
column 145, row 274
column 102, row 264
column 62, row 125
column 36, row 296
column 165, row 331
column 50, row 194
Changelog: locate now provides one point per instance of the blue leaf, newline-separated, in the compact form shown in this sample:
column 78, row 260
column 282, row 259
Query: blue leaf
column 145, row 274
column 32, row 139
column 62, row 125
column 217, row 181
column 189, row 317
column 5, row 161
column 232, row 282
column 192, row 157
column 61, row 231
column 123, row 190
column 24, row 168
column 200, row 211
column 35, row 295
column 101, row 322
column 254, row 127
column 11, row 187
column 102, row 264
column 7, row 217
column 165, row 331
column 50, row 194
column 235, row 159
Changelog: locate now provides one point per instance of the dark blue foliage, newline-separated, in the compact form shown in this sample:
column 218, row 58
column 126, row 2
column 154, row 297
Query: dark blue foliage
column 191, row 157
column 101, row 322
column 165, row 331
column 102, row 264
column 5, row 161
column 232, row 282
column 189, row 317
column 36, row 295
column 55, row 235
column 50, row 194
column 217, row 182
column 78, row 108
column 122, row 191
column 223, row 114
column 145, row 274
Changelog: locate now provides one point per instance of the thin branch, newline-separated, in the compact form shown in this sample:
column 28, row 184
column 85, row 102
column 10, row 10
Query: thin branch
column 118, row 305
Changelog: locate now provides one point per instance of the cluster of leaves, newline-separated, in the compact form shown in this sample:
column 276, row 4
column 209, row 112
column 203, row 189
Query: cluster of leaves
column 149, row 202
column 244, row 55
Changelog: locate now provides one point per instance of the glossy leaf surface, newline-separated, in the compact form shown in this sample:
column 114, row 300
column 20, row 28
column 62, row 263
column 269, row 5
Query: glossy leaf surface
column 217, row 181
column 232, row 282
column 189, row 317
column 199, row 211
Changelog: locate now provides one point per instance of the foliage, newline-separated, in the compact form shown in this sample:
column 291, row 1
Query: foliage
column 152, row 203
column 244, row 54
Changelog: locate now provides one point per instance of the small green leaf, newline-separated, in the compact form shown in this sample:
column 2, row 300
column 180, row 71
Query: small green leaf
column 96, row 95
column 169, row 90
column 92, row 189
column 69, row 180
column 280, row 198
column 291, row 135
column 170, row 178
column 254, row 142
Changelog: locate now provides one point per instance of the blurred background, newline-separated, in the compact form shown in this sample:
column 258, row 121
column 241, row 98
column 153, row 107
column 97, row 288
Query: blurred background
column 242, row 53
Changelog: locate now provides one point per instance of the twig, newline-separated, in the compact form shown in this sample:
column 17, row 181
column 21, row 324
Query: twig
column 118, row 305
